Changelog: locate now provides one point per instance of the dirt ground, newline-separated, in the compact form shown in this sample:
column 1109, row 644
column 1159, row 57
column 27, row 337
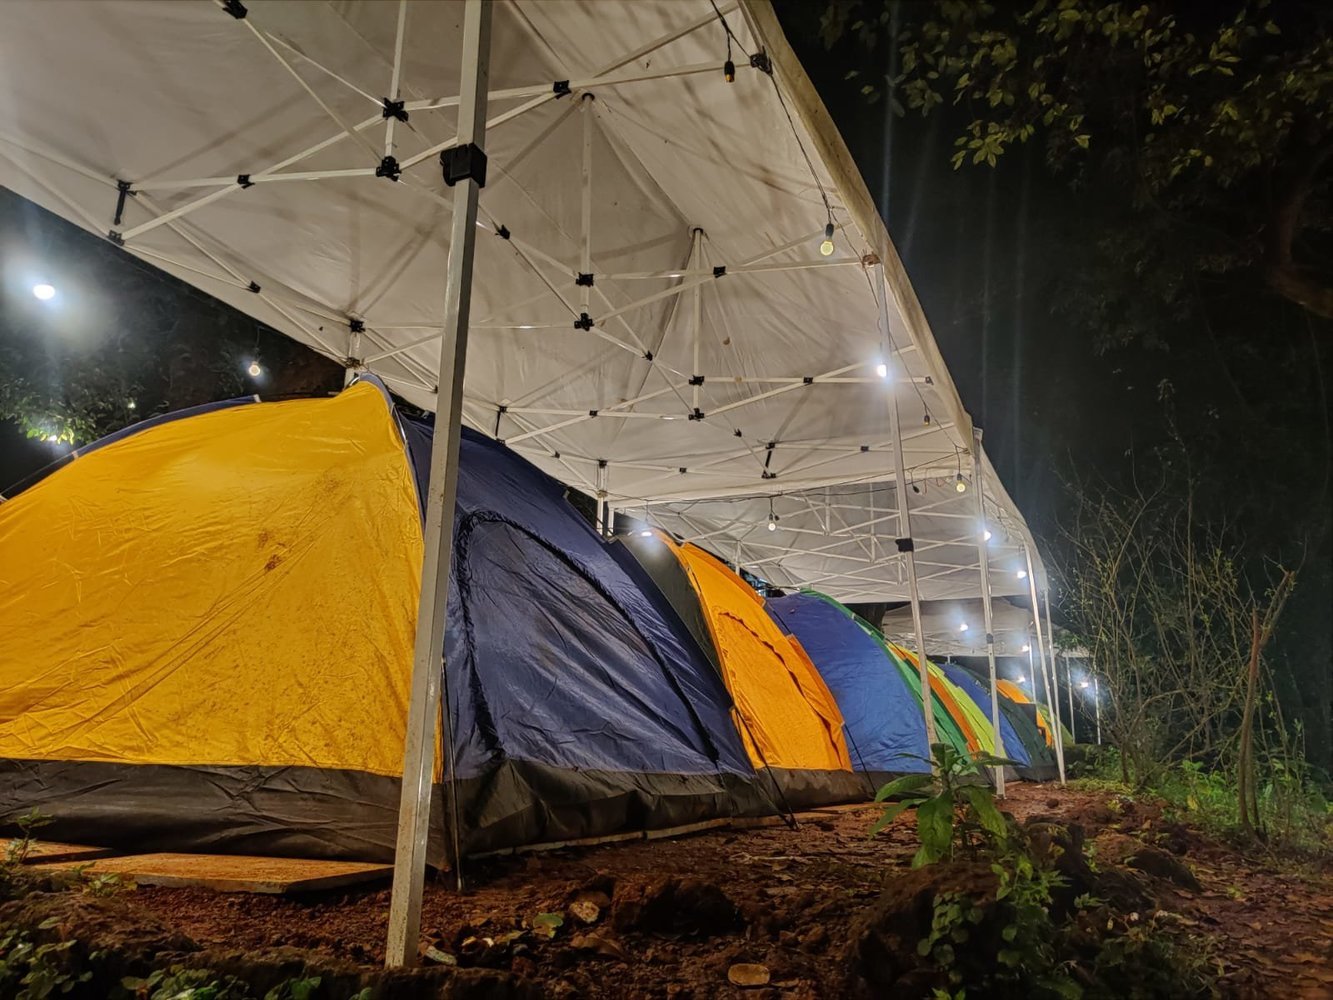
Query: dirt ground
column 671, row 918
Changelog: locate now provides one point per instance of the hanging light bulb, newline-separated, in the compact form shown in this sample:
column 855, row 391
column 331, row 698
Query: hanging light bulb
column 985, row 535
column 729, row 71
column 772, row 525
column 1022, row 574
column 46, row 292
column 772, row 517
column 1082, row 684
column 882, row 370
column 1022, row 679
column 826, row 248
column 962, row 627
column 960, row 484
column 1026, row 649
column 254, row 370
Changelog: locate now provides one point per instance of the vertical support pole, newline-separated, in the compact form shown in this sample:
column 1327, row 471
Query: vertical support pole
column 983, row 560
column 1097, row 706
column 905, row 544
column 1055, row 674
column 696, row 307
column 585, row 108
column 353, row 354
column 1041, row 660
column 1069, row 686
column 610, row 525
column 424, row 709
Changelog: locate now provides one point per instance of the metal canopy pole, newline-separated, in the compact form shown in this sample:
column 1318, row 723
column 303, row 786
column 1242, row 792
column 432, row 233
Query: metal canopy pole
column 409, row 869
column 1041, row 660
column 1097, row 706
column 1055, row 674
column 905, row 544
column 983, row 558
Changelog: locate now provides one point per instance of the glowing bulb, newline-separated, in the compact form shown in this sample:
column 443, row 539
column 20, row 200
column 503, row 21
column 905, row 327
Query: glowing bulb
column 254, row 369
column 1082, row 684
column 960, row 484
column 826, row 248
column 882, row 370
column 646, row 533
column 1022, row 574
column 132, row 405
column 985, row 535
column 53, row 438
column 44, row 291
column 1022, row 679
column 772, row 525
column 962, row 627
column 1026, row 649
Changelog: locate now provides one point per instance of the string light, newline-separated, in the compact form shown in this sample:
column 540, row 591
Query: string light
column 646, row 533
column 826, row 248
column 1022, row 574
column 962, row 627
column 1082, row 684
column 882, row 370
column 1022, row 679
column 44, row 291
column 1026, row 649
column 772, row 517
column 960, row 484
column 985, row 535
column 255, row 370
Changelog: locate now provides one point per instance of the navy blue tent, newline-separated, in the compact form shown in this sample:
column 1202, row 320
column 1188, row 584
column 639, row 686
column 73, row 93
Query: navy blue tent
column 886, row 733
column 1030, row 755
column 580, row 704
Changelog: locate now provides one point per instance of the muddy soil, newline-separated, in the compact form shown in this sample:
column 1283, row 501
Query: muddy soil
column 693, row 917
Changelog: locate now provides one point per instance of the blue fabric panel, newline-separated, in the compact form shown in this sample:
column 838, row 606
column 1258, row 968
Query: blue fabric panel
column 554, row 653
column 979, row 693
column 883, row 717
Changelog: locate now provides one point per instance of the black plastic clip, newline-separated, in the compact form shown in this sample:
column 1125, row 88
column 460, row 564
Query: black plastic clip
column 123, row 192
column 254, row 287
column 719, row 270
column 905, row 544
column 502, row 232
column 235, row 8
column 584, row 322
column 394, row 109
column 555, row 454
column 561, row 89
column 244, row 181
column 682, row 470
column 770, row 446
column 601, row 463
column 768, row 475
column 990, row 639
column 116, row 238
column 583, row 280
column 762, row 62
column 647, row 355
column 696, row 380
column 929, row 380
column 865, row 448
column 808, row 380
column 698, row 414
column 737, row 432
column 356, row 325
column 389, row 168
column 464, row 163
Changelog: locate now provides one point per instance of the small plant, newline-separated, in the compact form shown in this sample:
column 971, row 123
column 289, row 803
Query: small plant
column 952, row 807
column 18, row 849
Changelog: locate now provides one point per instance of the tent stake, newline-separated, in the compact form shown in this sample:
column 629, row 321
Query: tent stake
column 905, row 544
column 983, row 561
column 424, row 710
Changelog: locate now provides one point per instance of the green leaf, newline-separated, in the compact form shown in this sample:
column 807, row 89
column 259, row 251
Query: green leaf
column 545, row 924
column 934, row 824
column 907, row 783
column 982, row 802
column 891, row 813
column 1082, row 141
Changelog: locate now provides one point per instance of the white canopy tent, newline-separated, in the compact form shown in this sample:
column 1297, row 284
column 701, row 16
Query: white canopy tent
column 722, row 355
column 683, row 300
column 953, row 628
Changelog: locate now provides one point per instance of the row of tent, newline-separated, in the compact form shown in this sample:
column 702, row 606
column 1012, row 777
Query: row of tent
column 207, row 626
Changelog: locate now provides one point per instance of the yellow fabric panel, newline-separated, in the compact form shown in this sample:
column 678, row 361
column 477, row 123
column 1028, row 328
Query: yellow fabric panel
column 788, row 709
column 237, row 587
column 1016, row 694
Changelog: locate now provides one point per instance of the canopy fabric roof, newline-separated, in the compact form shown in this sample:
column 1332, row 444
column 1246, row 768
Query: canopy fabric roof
column 712, row 354
column 943, row 621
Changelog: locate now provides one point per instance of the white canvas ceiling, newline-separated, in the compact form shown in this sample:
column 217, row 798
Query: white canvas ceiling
column 692, row 397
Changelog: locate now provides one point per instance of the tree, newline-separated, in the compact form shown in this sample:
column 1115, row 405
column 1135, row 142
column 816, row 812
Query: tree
column 123, row 341
column 1214, row 121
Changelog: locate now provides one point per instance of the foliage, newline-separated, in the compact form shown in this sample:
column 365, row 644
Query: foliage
column 951, row 807
column 122, row 341
column 18, row 849
column 1217, row 119
column 35, row 971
